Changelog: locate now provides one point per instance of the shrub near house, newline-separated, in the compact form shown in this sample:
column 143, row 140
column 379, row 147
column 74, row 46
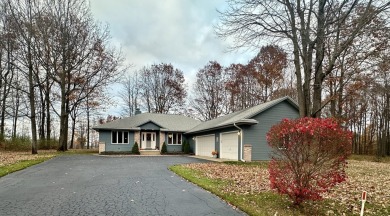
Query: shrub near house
column 309, row 157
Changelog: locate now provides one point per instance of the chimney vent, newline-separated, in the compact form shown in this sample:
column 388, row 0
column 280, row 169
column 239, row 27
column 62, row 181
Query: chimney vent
column 137, row 111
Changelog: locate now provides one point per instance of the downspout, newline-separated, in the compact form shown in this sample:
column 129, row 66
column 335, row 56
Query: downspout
column 241, row 135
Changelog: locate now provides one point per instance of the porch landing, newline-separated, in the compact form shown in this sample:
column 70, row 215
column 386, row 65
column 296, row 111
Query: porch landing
column 149, row 152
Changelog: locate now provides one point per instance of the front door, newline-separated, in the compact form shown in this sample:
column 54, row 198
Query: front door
column 149, row 140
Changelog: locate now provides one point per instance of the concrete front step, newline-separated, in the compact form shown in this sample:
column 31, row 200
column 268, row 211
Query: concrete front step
column 149, row 152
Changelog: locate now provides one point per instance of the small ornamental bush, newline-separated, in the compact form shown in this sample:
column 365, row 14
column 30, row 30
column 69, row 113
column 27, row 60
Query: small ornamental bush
column 164, row 148
column 309, row 157
column 135, row 149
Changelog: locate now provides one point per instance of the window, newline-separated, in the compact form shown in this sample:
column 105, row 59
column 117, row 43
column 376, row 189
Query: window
column 120, row 137
column 174, row 138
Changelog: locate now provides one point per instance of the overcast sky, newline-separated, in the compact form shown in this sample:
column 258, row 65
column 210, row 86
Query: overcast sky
column 171, row 31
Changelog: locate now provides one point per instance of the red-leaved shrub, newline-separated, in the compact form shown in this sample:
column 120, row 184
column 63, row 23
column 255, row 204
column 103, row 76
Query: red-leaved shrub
column 309, row 157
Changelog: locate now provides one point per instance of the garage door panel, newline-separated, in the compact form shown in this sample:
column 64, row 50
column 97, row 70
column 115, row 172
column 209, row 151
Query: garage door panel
column 205, row 145
column 229, row 146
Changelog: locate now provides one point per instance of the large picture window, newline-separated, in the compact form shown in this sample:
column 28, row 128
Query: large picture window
column 174, row 138
column 120, row 137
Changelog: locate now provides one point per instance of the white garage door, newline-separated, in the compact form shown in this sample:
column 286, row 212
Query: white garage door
column 229, row 146
column 205, row 145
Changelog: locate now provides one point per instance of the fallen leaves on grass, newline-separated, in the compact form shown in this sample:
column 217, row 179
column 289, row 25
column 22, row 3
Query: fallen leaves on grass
column 10, row 157
column 367, row 176
column 241, row 179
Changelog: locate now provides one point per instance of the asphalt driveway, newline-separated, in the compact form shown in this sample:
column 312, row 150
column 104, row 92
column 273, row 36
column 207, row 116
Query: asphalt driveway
column 98, row 185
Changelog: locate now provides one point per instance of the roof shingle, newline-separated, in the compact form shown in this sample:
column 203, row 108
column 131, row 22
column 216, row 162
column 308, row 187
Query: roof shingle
column 169, row 122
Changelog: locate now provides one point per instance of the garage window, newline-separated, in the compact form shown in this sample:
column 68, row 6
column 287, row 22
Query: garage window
column 119, row 137
column 174, row 138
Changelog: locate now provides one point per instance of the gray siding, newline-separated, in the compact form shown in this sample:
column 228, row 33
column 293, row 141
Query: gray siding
column 174, row 148
column 149, row 126
column 256, row 134
column 191, row 142
column 105, row 136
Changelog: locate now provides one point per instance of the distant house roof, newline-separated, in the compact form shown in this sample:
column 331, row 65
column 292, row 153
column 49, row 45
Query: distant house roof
column 240, row 117
column 167, row 122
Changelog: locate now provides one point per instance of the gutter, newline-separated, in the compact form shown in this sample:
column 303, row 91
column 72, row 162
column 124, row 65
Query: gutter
column 241, row 135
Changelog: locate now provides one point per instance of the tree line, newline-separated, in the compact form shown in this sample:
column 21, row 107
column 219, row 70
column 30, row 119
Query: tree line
column 336, row 53
column 340, row 55
column 55, row 59
column 217, row 90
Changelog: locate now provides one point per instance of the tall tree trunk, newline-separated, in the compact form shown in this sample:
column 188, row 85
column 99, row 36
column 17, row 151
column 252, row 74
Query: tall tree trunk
column 15, row 113
column 3, row 106
column 318, row 71
column 88, row 122
column 34, row 149
column 63, row 140
column 73, row 131
column 43, row 115
column 47, row 99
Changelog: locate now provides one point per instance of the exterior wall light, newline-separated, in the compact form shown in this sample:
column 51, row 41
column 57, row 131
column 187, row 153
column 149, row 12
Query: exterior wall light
column 238, row 133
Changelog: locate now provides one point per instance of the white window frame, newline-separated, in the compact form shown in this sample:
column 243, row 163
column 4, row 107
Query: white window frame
column 176, row 135
column 123, row 137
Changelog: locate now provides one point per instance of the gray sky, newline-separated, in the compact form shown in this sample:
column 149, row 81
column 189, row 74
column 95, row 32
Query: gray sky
column 170, row 31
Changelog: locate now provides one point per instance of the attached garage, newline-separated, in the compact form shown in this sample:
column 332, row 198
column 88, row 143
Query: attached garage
column 229, row 146
column 205, row 145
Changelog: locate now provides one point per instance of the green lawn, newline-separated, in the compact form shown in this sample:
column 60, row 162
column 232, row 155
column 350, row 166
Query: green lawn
column 7, row 169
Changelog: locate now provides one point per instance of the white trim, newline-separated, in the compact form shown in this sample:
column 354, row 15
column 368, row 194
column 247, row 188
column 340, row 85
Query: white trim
column 177, row 133
column 144, row 139
column 123, row 137
column 220, row 142
column 241, row 139
column 196, row 142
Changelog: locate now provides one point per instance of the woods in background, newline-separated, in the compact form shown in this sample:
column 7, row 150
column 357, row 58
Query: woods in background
column 340, row 56
column 332, row 57
column 54, row 59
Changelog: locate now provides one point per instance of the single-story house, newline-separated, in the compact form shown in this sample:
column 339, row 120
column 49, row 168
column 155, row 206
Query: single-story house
column 235, row 136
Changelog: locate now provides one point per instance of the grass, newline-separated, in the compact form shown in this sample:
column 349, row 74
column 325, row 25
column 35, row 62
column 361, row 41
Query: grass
column 81, row 151
column 262, row 164
column 372, row 158
column 267, row 202
column 7, row 169
column 12, row 161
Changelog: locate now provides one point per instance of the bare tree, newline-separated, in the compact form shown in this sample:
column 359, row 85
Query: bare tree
column 305, row 24
column 162, row 88
column 242, row 87
column 22, row 12
column 268, row 69
column 76, row 56
column 209, row 99
column 130, row 94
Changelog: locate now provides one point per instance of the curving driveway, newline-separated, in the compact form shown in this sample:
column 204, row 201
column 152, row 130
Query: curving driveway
column 98, row 185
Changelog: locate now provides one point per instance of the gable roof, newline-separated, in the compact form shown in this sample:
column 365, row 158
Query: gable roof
column 240, row 117
column 167, row 122
column 180, row 123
